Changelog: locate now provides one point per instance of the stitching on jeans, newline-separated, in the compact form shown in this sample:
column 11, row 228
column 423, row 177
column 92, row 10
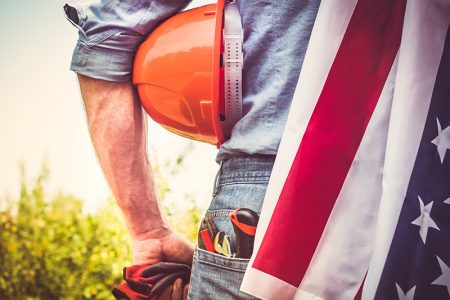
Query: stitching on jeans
column 245, row 182
column 216, row 188
column 221, row 213
column 198, row 259
column 220, row 266
column 194, row 262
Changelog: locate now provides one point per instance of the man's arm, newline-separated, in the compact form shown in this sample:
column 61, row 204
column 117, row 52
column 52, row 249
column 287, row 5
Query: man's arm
column 119, row 134
column 109, row 34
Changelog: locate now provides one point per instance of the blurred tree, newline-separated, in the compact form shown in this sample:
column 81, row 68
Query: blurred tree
column 50, row 249
column 184, row 214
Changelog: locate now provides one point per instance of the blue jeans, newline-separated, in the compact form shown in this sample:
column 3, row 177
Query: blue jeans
column 241, row 182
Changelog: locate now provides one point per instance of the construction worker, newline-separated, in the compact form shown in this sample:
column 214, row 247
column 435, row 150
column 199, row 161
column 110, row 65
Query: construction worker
column 276, row 35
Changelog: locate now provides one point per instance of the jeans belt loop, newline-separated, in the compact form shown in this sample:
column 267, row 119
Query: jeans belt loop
column 216, row 187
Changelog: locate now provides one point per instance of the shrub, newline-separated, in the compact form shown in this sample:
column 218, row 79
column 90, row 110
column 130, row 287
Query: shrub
column 50, row 249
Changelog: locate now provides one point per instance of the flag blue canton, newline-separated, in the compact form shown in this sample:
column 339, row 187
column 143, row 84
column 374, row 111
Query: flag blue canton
column 418, row 262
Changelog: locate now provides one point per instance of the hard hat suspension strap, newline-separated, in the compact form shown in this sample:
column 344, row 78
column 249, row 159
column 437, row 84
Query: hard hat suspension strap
column 232, row 62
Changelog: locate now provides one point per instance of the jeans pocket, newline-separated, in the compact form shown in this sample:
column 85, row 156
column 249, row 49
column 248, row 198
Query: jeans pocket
column 215, row 276
column 221, row 220
column 78, row 17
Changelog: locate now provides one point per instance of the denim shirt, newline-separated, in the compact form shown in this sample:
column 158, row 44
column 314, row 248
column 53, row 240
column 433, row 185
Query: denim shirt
column 276, row 35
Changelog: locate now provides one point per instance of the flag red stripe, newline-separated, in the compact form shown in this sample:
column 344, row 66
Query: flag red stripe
column 358, row 295
column 334, row 132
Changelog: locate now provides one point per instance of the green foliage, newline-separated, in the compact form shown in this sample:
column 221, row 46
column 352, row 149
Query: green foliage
column 50, row 249
column 185, row 221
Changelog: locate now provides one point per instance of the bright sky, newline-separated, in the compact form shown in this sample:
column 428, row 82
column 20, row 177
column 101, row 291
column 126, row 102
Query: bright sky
column 42, row 116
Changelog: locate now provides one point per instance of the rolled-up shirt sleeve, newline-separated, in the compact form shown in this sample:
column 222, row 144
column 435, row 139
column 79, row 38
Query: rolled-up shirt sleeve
column 111, row 30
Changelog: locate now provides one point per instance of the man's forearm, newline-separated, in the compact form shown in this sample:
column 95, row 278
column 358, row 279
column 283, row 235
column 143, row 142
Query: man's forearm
column 118, row 131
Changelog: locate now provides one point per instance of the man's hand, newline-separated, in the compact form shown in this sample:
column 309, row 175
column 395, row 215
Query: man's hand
column 163, row 245
column 170, row 247
column 175, row 291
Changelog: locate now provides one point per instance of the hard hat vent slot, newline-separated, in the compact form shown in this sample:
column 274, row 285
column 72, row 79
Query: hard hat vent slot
column 233, row 61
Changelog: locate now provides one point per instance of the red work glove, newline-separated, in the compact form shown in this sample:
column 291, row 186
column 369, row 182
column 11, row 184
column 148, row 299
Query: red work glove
column 149, row 282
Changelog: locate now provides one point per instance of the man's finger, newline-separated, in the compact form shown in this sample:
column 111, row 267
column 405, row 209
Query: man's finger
column 177, row 291
column 164, row 283
column 165, row 295
column 185, row 291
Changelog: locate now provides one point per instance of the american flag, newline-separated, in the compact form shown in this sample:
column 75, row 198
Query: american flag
column 358, row 204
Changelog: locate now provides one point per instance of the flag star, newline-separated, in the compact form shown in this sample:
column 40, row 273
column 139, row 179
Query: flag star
column 442, row 141
column 447, row 201
column 409, row 295
column 424, row 221
column 444, row 279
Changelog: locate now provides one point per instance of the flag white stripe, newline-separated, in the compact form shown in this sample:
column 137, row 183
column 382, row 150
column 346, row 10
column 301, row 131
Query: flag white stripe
column 265, row 286
column 420, row 52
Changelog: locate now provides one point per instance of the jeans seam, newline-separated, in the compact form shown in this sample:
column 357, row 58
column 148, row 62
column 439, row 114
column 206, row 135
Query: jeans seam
column 220, row 266
column 216, row 188
column 260, row 181
column 194, row 261
column 218, row 213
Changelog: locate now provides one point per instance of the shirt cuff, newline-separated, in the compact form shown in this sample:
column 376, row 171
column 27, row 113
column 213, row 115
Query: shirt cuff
column 102, row 63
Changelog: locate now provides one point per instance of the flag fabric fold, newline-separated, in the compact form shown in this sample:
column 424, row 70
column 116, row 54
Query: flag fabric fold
column 360, row 111
column 412, row 252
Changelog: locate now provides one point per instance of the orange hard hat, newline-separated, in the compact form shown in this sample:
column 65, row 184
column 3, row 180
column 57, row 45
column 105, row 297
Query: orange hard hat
column 181, row 74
